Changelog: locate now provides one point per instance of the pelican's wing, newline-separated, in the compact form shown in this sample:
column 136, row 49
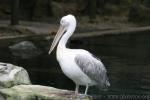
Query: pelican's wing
column 94, row 69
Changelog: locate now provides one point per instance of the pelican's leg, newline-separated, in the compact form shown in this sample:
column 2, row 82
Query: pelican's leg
column 86, row 90
column 77, row 89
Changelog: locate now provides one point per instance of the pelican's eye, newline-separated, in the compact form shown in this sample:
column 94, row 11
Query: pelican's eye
column 64, row 22
column 61, row 22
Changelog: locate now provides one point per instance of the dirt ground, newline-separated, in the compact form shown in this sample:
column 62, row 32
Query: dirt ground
column 102, row 25
column 83, row 26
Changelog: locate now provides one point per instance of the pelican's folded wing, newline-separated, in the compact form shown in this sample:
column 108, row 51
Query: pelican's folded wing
column 94, row 69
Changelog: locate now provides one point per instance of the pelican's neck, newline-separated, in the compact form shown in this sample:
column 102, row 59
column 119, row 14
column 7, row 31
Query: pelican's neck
column 63, row 41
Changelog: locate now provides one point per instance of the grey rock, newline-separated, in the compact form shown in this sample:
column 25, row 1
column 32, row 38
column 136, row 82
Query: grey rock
column 25, row 50
column 11, row 75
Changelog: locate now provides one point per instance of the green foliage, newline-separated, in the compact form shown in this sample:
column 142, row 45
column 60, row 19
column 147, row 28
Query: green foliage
column 45, row 9
column 126, row 2
column 139, row 14
column 114, row 10
column 146, row 3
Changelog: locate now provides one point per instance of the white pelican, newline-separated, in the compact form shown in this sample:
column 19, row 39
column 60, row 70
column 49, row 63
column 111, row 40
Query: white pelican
column 78, row 64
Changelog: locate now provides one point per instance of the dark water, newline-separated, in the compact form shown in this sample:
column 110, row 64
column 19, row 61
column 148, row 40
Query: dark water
column 126, row 57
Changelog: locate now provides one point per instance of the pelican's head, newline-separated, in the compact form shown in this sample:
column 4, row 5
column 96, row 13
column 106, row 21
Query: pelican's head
column 66, row 23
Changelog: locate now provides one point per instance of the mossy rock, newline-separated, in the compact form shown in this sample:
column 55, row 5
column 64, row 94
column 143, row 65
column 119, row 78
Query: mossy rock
column 37, row 92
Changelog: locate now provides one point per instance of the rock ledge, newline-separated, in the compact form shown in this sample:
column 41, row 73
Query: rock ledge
column 37, row 92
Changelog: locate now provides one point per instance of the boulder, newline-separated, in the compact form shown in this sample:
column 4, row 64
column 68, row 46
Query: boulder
column 24, row 50
column 38, row 92
column 11, row 75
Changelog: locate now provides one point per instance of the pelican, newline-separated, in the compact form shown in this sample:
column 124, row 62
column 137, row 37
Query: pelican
column 77, row 64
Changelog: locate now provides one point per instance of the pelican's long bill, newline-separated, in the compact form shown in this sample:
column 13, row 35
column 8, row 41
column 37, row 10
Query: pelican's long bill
column 60, row 32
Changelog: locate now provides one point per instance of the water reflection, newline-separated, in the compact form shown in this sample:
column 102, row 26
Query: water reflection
column 126, row 57
column 127, row 60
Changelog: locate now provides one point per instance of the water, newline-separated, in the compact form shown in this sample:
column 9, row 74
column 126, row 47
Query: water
column 126, row 57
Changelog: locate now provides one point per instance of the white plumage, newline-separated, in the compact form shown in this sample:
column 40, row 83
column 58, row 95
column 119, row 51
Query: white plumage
column 78, row 64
